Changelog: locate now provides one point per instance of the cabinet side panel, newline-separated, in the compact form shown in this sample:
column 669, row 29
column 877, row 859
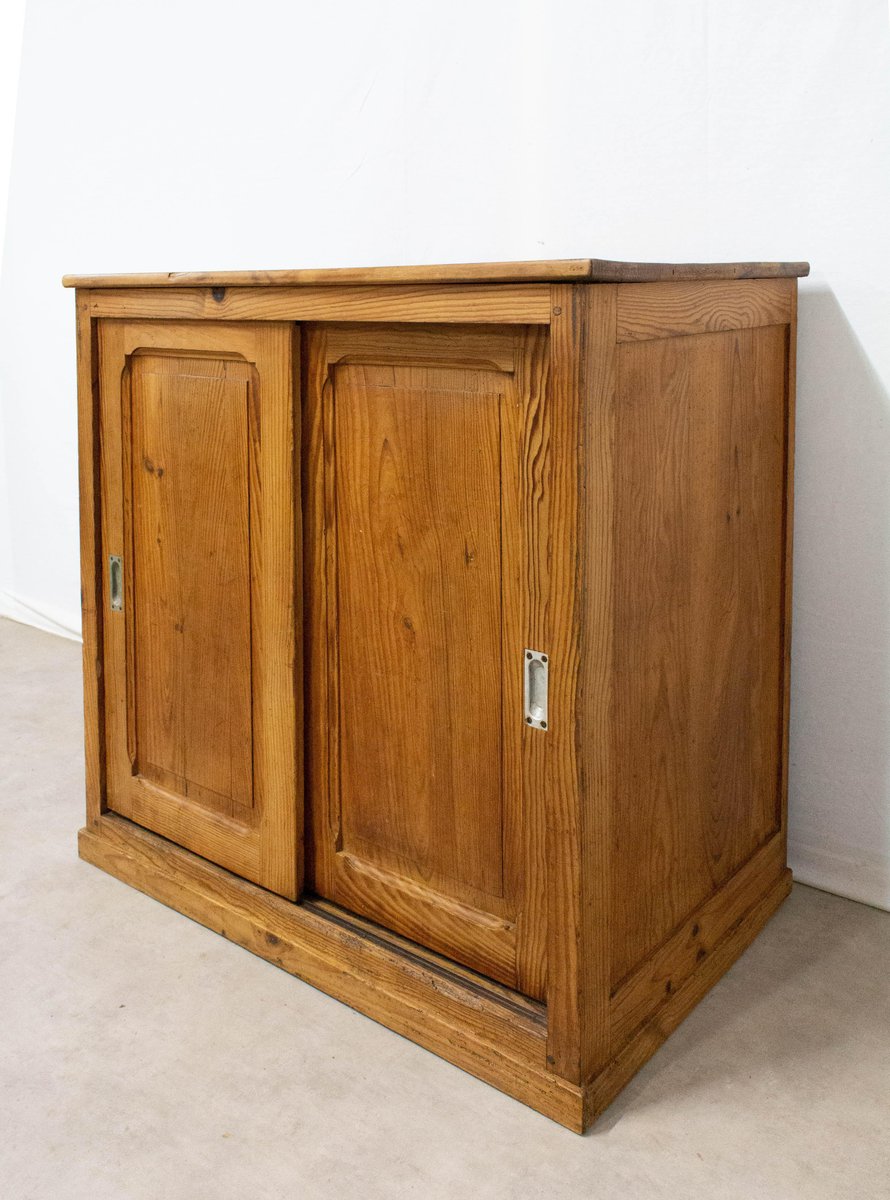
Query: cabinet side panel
column 701, row 436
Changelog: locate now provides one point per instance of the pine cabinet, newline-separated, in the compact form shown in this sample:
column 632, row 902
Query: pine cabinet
column 436, row 636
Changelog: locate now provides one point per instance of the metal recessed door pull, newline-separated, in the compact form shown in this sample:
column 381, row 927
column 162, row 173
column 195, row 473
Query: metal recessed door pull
column 536, row 671
column 116, row 582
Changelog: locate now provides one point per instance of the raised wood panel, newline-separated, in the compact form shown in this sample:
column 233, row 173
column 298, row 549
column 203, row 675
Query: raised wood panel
column 506, row 303
column 419, row 547
column 203, row 713
column 190, row 461
column 698, row 672
column 660, row 310
column 421, row 819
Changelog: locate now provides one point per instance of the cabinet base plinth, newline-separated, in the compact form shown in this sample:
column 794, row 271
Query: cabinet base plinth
column 488, row 1031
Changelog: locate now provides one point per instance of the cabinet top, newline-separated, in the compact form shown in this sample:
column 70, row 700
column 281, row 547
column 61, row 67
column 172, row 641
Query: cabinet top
column 577, row 270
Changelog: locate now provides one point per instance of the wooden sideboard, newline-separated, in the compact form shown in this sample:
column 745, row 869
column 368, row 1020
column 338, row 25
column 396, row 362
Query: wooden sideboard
column 436, row 636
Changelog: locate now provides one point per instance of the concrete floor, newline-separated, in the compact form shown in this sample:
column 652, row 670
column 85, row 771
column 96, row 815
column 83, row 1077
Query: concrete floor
column 144, row 1058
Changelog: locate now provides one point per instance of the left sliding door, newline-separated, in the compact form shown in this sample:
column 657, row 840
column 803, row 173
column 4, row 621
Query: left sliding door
column 200, row 557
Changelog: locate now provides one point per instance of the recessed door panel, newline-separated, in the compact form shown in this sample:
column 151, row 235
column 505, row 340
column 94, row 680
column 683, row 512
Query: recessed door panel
column 419, row 596
column 202, row 690
column 421, row 817
column 190, row 451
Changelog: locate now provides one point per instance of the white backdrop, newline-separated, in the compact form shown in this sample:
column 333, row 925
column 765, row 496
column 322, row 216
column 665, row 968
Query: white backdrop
column 215, row 134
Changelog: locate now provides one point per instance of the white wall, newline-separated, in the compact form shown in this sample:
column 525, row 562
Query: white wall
column 12, row 16
column 217, row 134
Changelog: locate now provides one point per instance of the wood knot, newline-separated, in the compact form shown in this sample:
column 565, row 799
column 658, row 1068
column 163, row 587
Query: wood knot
column 218, row 294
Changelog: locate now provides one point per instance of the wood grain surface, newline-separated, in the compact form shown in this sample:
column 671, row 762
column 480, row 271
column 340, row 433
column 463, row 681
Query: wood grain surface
column 639, row 1048
column 420, row 819
column 190, row 458
column 698, row 670
column 519, row 304
column 578, row 781
column 419, row 578
column 198, row 475
column 648, row 311
column 591, row 270
column 665, row 971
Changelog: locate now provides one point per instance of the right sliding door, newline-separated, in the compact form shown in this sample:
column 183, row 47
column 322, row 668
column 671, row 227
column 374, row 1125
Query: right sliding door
column 425, row 493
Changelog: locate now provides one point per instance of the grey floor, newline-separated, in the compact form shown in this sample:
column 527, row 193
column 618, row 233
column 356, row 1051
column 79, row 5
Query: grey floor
column 141, row 1056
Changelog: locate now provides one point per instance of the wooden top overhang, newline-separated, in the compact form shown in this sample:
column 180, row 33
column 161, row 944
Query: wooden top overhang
column 564, row 270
